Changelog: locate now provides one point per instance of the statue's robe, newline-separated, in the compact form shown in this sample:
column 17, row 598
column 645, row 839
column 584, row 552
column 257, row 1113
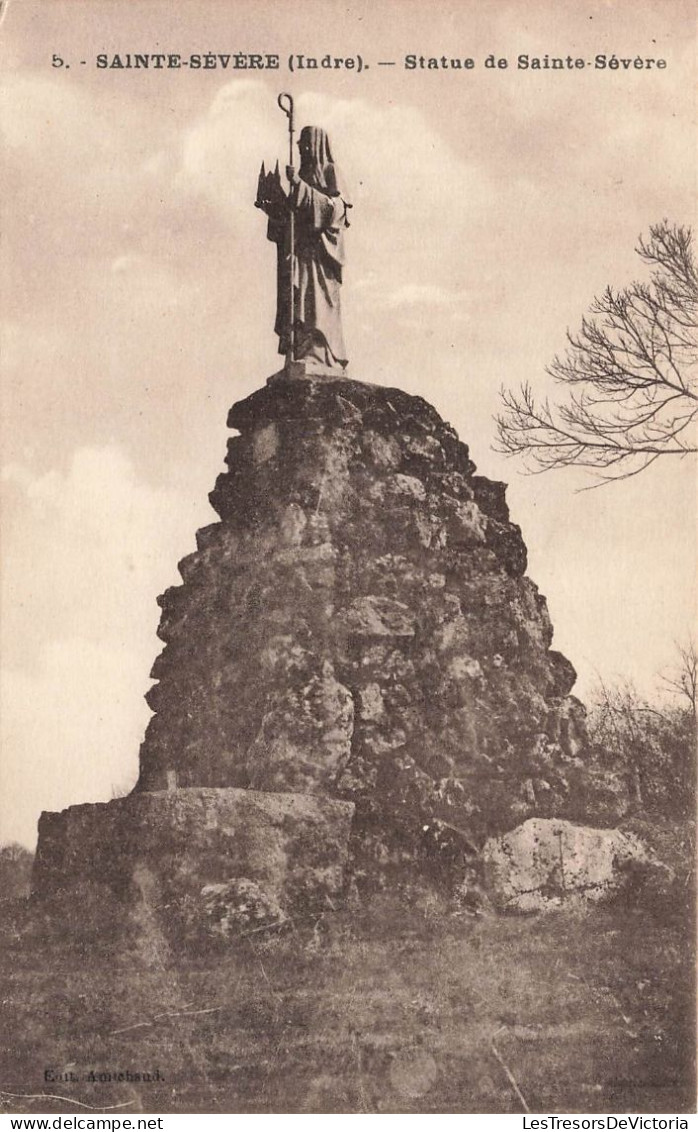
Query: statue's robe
column 320, row 221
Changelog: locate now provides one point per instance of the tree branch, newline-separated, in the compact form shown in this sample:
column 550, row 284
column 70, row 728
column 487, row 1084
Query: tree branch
column 634, row 361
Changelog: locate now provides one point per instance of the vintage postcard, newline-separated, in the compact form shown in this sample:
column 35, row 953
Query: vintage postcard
column 349, row 542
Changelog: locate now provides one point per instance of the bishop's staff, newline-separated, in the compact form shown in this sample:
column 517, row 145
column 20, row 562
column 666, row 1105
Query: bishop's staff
column 285, row 102
column 274, row 201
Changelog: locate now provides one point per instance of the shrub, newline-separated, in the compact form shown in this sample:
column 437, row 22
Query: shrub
column 651, row 745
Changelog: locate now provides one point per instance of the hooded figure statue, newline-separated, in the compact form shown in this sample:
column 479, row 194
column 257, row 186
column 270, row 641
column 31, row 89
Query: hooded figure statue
column 319, row 203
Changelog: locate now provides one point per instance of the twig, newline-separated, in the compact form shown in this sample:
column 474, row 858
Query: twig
column 562, row 865
column 510, row 1076
column 357, row 1054
column 69, row 1100
column 135, row 1026
column 166, row 1014
column 263, row 928
column 266, row 977
column 186, row 1013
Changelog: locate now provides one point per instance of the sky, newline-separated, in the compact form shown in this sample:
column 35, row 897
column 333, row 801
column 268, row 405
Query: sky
column 490, row 206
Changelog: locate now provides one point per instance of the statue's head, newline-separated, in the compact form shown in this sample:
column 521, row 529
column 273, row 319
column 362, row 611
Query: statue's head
column 317, row 166
column 314, row 146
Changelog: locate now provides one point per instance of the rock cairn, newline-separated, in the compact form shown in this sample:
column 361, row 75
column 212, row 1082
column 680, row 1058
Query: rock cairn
column 359, row 625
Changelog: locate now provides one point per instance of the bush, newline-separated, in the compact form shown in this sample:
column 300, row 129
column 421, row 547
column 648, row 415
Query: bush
column 15, row 871
column 652, row 746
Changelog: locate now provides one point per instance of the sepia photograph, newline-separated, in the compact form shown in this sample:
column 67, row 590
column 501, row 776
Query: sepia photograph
column 349, row 659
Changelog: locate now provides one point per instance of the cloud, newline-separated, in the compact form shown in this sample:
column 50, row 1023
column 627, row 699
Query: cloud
column 403, row 176
column 392, row 154
column 70, row 731
column 86, row 551
column 78, row 545
column 412, row 295
column 69, row 157
column 85, row 186
column 223, row 149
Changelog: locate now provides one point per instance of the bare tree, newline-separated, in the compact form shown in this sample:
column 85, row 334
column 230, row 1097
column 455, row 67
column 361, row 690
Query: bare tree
column 650, row 744
column 629, row 373
column 684, row 676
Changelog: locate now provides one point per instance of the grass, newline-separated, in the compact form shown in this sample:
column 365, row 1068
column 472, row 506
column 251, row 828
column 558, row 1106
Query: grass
column 393, row 1008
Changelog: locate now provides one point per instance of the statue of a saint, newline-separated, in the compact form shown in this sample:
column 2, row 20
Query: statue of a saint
column 307, row 222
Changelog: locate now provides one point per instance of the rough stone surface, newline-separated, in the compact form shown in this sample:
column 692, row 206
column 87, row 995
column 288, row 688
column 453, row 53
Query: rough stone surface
column 545, row 863
column 359, row 625
column 228, row 858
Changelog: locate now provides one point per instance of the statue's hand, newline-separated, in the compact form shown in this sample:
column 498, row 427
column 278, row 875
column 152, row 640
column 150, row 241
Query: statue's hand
column 292, row 175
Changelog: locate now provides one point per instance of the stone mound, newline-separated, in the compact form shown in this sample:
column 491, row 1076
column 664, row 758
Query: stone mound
column 359, row 625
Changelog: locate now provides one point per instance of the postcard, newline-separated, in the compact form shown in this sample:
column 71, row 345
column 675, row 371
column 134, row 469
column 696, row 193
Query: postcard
column 349, row 541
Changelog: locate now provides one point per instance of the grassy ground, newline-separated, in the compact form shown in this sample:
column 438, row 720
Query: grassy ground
column 388, row 1010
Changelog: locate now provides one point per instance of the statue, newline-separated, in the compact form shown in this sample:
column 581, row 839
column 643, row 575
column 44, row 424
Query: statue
column 307, row 222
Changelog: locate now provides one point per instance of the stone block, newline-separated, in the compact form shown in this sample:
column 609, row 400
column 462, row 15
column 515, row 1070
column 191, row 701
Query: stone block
column 545, row 863
column 289, row 849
